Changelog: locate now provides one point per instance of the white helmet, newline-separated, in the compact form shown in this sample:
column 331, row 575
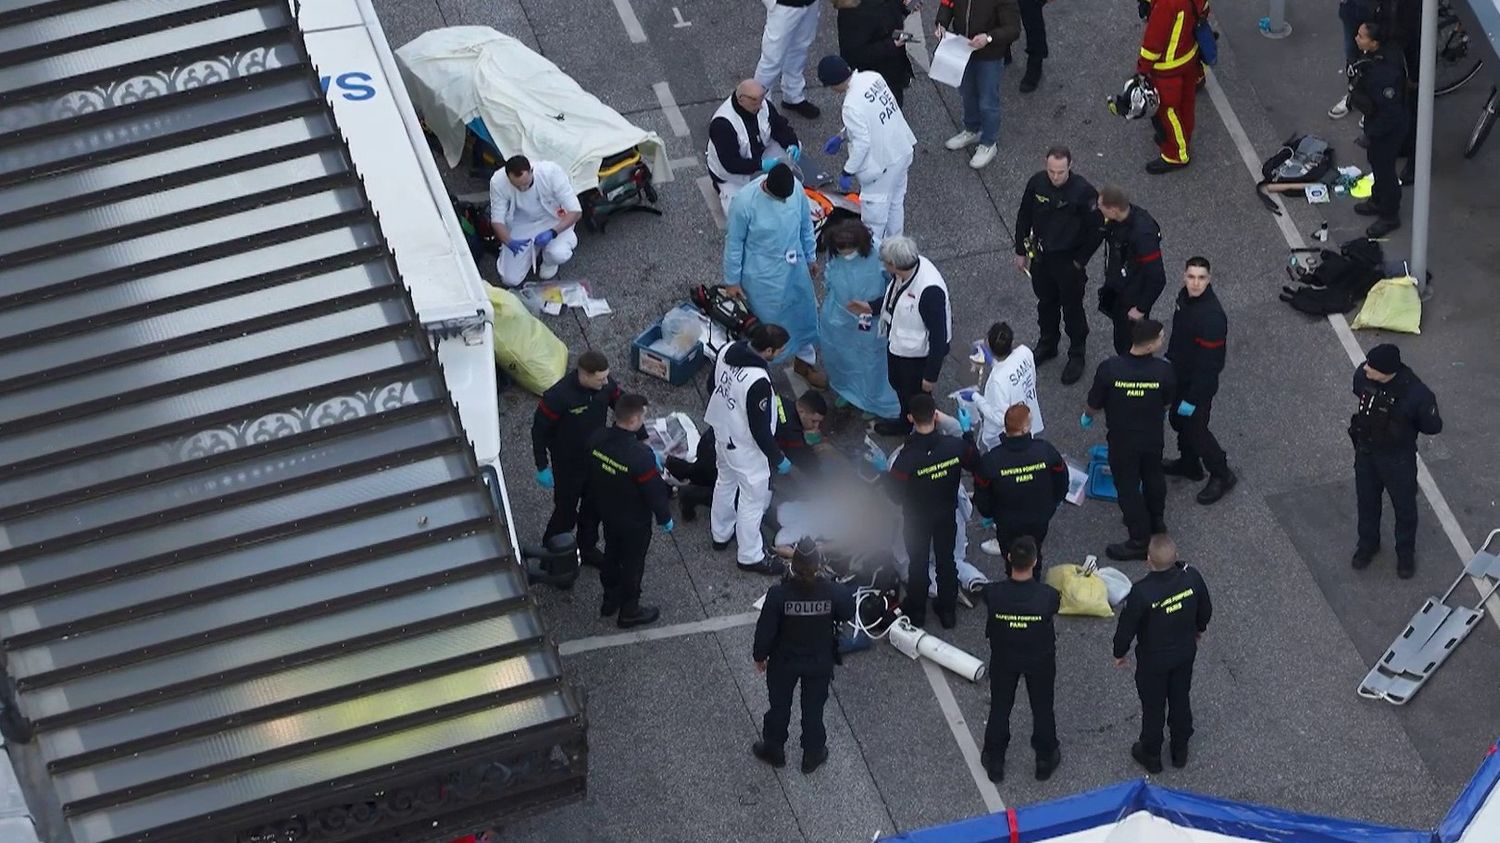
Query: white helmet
column 1136, row 100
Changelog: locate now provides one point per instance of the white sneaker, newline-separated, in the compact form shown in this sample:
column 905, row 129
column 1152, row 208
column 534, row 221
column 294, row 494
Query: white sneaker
column 1340, row 108
column 547, row 272
column 983, row 155
column 992, row 547
column 961, row 140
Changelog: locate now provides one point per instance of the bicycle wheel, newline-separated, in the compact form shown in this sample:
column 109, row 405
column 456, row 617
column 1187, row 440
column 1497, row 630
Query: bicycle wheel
column 1482, row 126
column 1455, row 67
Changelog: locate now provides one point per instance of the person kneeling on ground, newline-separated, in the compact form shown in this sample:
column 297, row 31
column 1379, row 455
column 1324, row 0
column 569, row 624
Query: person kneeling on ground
column 533, row 210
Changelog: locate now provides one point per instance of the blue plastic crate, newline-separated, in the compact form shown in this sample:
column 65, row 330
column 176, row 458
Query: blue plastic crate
column 673, row 370
column 1101, row 481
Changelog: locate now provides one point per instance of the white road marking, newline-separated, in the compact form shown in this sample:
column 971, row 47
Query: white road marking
column 683, row 163
column 632, row 23
column 1341, row 329
column 961, row 733
column 604, row 642
column 711, row 196
column 677, row 13
column 670, row 109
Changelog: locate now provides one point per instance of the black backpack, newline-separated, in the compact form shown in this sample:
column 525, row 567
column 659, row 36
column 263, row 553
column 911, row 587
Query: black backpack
column 1302, row 160
column 1337, row 280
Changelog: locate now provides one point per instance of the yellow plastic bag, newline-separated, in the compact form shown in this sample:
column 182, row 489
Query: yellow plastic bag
column 1082, row 594
column 529, row 352
column 1392, row 305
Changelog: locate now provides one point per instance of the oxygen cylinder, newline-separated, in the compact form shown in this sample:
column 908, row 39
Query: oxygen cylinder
column 950, row 657
column 914, row 642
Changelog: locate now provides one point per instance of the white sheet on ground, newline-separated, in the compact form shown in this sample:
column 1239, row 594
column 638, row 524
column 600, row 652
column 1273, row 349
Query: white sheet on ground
column 530, row 107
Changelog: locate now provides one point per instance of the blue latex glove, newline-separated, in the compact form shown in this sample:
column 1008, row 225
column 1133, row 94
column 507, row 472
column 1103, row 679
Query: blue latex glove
column 669, row 526
column 834, row 144
column 547, row 236
column 880, row 462
column 794, row 152
column 785, row 466
column 1085, row 421
column 768, row 162
column 1186, row 409
column 544, row 478
column 965, row 423
column 846, row 182
column 987, row 523
column 660, row 466
column 517, row 245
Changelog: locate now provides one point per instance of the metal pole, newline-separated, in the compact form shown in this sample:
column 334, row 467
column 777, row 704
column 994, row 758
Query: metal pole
column 1421, row 216
column 1274, row 24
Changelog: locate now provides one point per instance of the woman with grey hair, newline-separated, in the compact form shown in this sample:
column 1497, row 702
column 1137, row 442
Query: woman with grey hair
column 916, row 320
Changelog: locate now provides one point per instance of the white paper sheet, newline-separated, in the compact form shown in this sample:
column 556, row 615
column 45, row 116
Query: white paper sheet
column 951, row 58
column 596, row 307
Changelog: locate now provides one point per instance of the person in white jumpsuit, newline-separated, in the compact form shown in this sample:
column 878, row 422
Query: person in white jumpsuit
column 1012, row 380
column 742, row 413
column 880, row 145
column 791, row 26
column 533, row 209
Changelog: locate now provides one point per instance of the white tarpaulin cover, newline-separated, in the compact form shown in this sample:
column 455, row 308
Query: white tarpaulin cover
column 529, row 106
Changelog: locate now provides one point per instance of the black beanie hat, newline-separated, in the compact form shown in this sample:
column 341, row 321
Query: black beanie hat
column 779, row 181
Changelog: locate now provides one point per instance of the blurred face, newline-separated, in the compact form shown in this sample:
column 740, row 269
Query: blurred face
column 1363, row 40
column 593, row 380
column 1057, row 171
column 1114, row 214
column 521, row 182
column 1195, row 279
column 811, row 422
column 1376, row 375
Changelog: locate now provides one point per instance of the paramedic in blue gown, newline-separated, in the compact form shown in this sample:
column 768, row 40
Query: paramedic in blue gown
column 770, row 259
column 853, row 351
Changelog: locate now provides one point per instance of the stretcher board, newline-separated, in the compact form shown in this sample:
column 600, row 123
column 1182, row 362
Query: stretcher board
column 1434, row 632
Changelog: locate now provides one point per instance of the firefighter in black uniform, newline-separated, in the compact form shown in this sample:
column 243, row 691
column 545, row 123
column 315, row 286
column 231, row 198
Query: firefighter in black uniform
column 1200, row 332
column 1019, row 484
column 626, row 490
column 927, row 472
column 1133, row 273
column 1022, row 643
column 1058, row 229
column 1377, row 89
column 1134, row 390
column 1165, row 613
column 1394, row 406
column 796, row 641
column 570, row 411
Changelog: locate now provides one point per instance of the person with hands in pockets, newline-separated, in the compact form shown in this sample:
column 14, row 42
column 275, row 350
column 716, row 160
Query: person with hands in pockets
column 533, row 210
column 1200, row 332
column 880, row 145
column 626, row 488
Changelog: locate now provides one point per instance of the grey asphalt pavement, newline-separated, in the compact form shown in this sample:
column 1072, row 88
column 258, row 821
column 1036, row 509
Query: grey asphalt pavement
column 1278, row 718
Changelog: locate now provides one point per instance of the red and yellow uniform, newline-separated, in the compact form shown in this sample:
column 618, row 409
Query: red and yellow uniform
column 1169, row 55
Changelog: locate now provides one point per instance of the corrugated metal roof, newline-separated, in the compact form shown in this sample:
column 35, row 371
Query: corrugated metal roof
column 252, row 584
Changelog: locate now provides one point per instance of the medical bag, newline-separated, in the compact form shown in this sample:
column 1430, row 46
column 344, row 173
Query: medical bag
column 624, row 185
column 729, row 311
